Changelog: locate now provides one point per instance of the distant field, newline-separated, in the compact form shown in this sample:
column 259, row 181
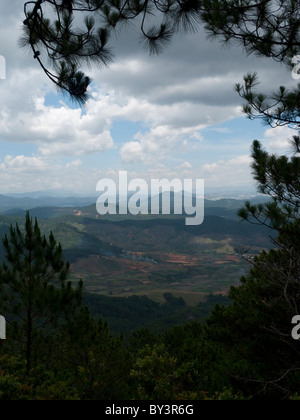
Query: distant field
column 183, row 275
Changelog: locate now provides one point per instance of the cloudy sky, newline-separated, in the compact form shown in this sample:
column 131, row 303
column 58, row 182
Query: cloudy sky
column 175, row 115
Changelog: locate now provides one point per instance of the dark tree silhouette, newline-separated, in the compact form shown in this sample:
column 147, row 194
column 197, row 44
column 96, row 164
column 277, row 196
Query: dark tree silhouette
column 34, row 292
column 64, row 34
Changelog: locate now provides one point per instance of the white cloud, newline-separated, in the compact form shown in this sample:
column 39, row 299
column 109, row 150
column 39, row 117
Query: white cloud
column 57, row 131
column 174, row 96
column 39, row 173
column 74, row 164
column 132, row 152
column 279, row 139
column 22, row 163
column 159, row 142
column 186, row 165
column 229, row 173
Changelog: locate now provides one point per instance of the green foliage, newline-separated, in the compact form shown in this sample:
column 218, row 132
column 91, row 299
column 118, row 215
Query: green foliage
column 80, row 362
column 228, row 395
column 156, row 374
column 255, row 332
column 12, row 386
column 98, row 363
column 34, row 293
column 278, row 177
column 127, row 315
column 278, row 108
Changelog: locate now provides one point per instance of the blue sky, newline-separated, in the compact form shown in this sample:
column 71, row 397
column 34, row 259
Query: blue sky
column 174, row 115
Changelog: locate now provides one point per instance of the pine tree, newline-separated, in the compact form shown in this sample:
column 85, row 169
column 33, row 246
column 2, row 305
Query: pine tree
column 69, row 33
column 279, row 178
column 254, row 334
column 34, row 292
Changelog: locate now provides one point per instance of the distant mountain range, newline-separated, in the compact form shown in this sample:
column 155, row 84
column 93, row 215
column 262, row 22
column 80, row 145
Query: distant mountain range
column 17, row 204
column 8, row 203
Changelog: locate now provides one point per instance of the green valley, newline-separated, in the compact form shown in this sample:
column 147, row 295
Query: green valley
column 149, row 256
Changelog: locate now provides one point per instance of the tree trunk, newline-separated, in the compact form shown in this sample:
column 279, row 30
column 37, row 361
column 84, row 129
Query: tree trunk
column 28, row 343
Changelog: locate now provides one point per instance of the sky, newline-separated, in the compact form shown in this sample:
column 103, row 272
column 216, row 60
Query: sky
column 167, row 116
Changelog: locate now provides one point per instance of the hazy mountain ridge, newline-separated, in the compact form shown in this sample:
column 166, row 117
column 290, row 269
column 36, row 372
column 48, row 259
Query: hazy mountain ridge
column 51, row 206
column 8, row 203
